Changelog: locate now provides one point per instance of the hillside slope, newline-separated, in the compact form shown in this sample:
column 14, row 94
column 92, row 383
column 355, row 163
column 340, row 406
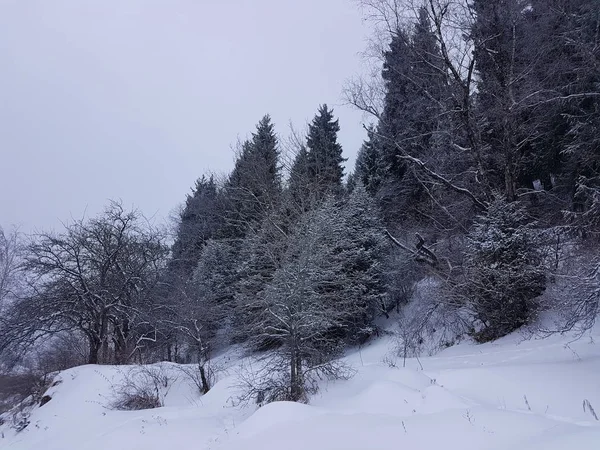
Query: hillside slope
column 513, row 393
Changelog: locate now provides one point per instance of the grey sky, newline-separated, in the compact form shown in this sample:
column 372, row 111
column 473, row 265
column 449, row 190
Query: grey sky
column 135, row 99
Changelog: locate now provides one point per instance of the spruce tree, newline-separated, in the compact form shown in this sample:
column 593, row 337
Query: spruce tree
column 324, row 156
column 299, row 193
column 259, row 255
column 500, row 37
column 397, row 79
column 361, row 249
column 370, row 167
column 566, row 49
column 413, row 123
column 200, row 221
column 430, row 92
column 504, row 269
column 253, row 189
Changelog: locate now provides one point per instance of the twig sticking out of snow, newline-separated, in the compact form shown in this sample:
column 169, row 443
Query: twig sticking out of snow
column 587, row 406
column 527, row 402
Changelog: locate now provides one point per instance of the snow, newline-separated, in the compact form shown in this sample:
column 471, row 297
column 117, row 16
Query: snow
column 513, row 393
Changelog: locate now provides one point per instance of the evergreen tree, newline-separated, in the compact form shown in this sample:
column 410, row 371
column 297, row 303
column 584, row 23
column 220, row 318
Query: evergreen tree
column 397, row 78
column 254, row 186
column 200, row 221
column 500, row 35
column 430, row 91
column 299, row 192
column 324, row 293
column 370, row 167
column 504, row 270
column 568, row 65
column 292, row 316
column 205, row 308
column 361, row 248
column 212, row 286
column 259, row 256
column 324, row 155
column 414, row 123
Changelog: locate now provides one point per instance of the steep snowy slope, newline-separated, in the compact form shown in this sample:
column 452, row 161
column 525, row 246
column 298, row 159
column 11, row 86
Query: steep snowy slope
column 514, row 393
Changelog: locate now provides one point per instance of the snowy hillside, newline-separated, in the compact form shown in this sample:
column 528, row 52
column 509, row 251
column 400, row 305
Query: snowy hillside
column 513, row 393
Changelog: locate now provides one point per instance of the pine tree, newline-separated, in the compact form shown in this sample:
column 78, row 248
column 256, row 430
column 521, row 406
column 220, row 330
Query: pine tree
column 205, row 308
column 570, row 66
column 324, row 155
column 430, row 92
column 265, row 150
column 211, row 287
column 324, row 293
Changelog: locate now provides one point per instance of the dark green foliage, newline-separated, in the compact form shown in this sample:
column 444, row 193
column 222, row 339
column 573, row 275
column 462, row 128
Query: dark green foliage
column 253, row 189
column 397, row 77
column 501, row 37
column 361, row 248
column 370, row 168
column 504, row 270
column 200, row 221
column 258, row 258
column 414, row 123
column 299, row 189
column 324, row 155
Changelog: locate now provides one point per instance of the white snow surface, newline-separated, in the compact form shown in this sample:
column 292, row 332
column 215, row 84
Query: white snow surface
column 510, row 394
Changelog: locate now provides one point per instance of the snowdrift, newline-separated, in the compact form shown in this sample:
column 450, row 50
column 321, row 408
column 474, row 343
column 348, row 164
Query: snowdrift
column 513, row 393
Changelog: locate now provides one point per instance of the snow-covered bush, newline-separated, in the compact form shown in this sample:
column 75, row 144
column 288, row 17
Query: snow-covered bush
column 504, row 273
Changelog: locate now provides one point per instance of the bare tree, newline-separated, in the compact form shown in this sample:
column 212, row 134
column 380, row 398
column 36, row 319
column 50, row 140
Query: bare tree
column 10, row 259
column 96, row 277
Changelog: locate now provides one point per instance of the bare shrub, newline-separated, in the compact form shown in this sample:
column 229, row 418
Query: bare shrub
column 429, row 323
column 142, row 387
column 573, row 296
column 20, row 394
column 201, row 375
column 401, row 276
column 267, row 379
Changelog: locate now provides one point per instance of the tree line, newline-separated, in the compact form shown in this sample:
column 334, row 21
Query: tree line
column 479, row 177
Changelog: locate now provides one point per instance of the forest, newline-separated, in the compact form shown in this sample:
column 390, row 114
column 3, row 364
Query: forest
column 473, row 211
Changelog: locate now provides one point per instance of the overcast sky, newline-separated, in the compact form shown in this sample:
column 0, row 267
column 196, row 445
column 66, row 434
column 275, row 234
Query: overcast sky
column 135, row 99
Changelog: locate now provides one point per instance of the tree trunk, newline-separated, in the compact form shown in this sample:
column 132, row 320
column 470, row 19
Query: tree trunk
column 293, row 380
column 94, row 351
column 201, row 367
column 296, row 384
column 205, row 383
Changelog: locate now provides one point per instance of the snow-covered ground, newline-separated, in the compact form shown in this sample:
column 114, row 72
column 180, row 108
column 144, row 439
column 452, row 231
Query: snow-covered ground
column 510, row 394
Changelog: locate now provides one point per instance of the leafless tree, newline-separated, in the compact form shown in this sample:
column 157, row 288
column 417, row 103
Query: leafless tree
column 96, row 277
column 10, row 259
